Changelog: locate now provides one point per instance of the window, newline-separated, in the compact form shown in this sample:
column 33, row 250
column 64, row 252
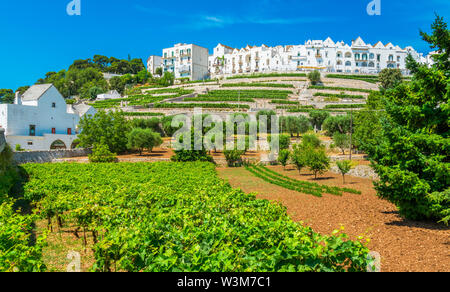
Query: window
column 32, row 130
column 53, row 131
column 30, row 143
column 378, row 57
column 53, row 105
column 69, row 131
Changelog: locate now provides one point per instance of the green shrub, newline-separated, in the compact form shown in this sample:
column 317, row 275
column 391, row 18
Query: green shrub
column 102, row 154
column 143, row 139
column 314, row 77
column 283, row 157
column 234, row 158
column 344, row 167
column 19, row 148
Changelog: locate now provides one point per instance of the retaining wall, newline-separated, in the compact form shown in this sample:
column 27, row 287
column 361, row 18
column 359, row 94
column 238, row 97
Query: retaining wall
column 48, row 156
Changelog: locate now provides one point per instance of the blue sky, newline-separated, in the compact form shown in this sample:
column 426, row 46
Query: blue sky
column 37, row 36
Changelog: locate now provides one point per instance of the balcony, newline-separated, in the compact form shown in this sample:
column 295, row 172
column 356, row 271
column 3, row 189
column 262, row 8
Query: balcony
column 184, row 69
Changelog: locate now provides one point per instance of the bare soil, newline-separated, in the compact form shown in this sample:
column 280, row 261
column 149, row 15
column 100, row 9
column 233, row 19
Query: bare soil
column 404, row 245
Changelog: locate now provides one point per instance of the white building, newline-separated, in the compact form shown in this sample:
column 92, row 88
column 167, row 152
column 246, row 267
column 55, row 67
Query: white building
column 186, row 61
column 112, row 94
column 41, row 119
column 326, row 56
column 153, row 63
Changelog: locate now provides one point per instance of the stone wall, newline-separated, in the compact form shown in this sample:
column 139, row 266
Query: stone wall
column 48, row 156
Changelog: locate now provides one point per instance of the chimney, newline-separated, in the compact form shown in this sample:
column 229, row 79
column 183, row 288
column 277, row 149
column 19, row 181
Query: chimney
column 18, row 99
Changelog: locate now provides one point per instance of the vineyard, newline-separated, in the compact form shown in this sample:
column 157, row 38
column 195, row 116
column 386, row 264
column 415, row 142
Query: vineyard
column 141, row 98
column 304, row 187
column 179, row 217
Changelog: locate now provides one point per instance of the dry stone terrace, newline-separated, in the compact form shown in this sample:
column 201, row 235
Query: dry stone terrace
column 299, row 93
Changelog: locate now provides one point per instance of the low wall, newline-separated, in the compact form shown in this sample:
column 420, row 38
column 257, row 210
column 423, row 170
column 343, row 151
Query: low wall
column 48, row 156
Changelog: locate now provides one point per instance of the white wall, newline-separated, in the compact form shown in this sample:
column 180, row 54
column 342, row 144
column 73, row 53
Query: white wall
column 16, row 119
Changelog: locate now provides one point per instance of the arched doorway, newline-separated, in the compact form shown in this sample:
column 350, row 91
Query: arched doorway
column 58, row 145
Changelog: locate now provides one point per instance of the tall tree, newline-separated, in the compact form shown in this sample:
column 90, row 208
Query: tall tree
column 412, row 159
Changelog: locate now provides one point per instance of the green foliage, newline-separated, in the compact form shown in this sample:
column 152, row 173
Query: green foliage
column 317, row 160
column 111, row 128
column 167, row 79
column 283, row 140
column 17, row 253
column 247, row 94
column 137, row 97
column 314, row 77
column 19, row 148
column 143, row 139
column 317, row 118
column 242, row 84
column 6, row 158
column 193, row 153
column 311, row 140
column 412, row 156
column 283, row 157
column 234, row 157
column 264, row 118
column 289, row 183
column 390, row 78
column 298, row 157
column 7, row 96
column 344, row 167
column 342, row 141
column 201, row 105
column 367, row 123
column 168, row 217
column 440, row 40
column 102, row 154
column 151, row 123
column 295, row 125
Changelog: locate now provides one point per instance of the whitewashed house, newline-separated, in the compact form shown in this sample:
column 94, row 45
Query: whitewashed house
column 186, row 61
column 326, row 56
column 112, row 94
column 40, row 119
column 153, row 62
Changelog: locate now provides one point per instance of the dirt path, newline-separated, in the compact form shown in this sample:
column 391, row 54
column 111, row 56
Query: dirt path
column 405, row 245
